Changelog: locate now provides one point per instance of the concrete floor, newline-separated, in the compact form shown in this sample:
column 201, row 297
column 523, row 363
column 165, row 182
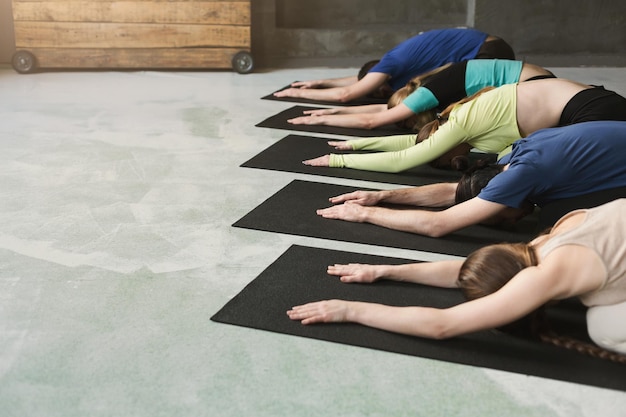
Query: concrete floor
column 117, row 194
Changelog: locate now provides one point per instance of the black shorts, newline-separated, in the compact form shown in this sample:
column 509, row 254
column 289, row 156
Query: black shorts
column 594, row 104
column 541, row 77
column 495, row 49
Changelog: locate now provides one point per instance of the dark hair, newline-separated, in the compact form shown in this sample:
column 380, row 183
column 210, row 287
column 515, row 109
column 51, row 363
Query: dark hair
column 488, row 269
column 475, row 179
column 366, row 68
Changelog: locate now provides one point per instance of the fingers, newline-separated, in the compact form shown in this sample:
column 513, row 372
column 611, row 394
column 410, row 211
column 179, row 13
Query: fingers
column 305, row 120
column 287, row 92
column 322, row 161
column 352, row 273
column 340, row 145
column 301, row 84
column 347, row 212
column 353, row 197
column 310, row 313
column 342, row 198
column 328, row 213
column 319, row 112
column 320, row 312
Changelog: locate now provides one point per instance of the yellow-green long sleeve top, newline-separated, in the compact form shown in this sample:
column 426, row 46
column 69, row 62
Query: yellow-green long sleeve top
column 487, row 123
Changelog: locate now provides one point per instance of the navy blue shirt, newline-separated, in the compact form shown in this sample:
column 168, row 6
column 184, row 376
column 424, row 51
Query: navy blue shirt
column 561, row 162
column 427, row 51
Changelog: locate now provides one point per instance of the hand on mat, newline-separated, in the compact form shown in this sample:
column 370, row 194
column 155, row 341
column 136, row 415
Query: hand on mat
column 354, row 272
column 308, row 84
column 321, row 112
column 364, row 198
column 340, row 145
column 348, row 211
column 322, row 161
column 288, row 92
column 320, row 312
column 306, row 120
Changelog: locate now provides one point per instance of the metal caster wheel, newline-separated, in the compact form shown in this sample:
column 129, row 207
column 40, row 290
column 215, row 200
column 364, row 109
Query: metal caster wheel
column 24, row 62
column 243, row 63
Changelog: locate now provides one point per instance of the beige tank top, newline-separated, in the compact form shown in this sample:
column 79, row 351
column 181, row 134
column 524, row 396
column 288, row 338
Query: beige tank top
column 604, row 231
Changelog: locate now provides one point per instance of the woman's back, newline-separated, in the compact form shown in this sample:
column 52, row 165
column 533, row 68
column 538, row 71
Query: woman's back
column 540, row 103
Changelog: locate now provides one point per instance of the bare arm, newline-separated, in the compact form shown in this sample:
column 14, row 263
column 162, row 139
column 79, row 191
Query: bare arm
column 326, row 83
column 437, row 274
column 527, row 291
column 359, row 120
column 432, row 195
column 422, row 222
column 368, row 108
column 361, row 88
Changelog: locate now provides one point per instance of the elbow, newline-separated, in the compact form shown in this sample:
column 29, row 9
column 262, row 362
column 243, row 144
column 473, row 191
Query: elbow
column 439, row 327
column 441, row 332
column 436, row 227
column 344, row 96
column 369, row 124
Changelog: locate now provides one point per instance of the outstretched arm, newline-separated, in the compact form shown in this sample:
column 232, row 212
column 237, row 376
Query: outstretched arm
column 357, row 120
column 437, row 274
column 326, row 83
column 527, row 291
column 422, row 222
column 361, row 88
column 368, row 108
column 449, row 136
column 431, row 195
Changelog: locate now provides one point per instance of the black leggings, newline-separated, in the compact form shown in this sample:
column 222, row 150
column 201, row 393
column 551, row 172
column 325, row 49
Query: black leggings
column 594, row 104
column 495, row 49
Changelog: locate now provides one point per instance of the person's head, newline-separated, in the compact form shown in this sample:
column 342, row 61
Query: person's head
column 366, row 68
column 488, row 269
column 475, row 179
column 384, row 90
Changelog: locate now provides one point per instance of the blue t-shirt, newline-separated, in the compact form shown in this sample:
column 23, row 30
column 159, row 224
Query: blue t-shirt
column 561, row 162
column 427, row 51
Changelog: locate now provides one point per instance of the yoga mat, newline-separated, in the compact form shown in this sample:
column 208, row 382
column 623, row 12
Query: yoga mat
column 299, row 276
column 279, row 121
column 288, row 153
column 292, row 211
column 356, row 102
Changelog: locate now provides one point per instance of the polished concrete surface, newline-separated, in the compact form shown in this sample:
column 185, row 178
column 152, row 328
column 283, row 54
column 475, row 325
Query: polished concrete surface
column 118, row 191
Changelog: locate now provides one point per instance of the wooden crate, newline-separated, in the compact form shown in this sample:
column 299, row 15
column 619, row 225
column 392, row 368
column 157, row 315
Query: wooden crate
column 132, row 34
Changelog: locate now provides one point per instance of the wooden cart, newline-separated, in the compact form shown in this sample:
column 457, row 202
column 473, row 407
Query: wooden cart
column 132, row 34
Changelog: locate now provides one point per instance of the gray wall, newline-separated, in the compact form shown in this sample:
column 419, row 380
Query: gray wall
column 347, row 32
column 546, row 32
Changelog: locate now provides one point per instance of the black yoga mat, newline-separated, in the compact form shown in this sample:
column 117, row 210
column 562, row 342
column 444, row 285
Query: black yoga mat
column 279, row 121
column 288, row 153
column 356, row 102
column 292, row 211
column 299, row 276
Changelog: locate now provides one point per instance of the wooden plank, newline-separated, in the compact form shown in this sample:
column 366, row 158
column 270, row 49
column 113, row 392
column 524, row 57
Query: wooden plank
column 126, row 35
column 199, row 12
column 166, row 58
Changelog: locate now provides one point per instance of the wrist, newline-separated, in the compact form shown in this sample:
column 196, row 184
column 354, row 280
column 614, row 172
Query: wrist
column 384, row 195
column 365, row 214
column 352, row 311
